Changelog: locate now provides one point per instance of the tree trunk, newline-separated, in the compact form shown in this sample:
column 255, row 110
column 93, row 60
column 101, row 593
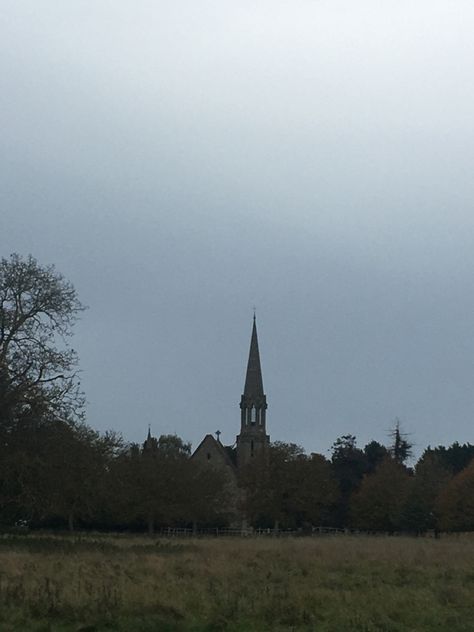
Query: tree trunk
column 70, row 521
column 195, row 526
column 276, row 527
column 151, row 525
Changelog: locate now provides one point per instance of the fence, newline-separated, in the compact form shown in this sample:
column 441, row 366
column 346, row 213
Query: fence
column 279, row 533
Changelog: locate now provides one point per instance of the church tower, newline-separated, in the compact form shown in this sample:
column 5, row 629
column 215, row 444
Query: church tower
column 252, row 440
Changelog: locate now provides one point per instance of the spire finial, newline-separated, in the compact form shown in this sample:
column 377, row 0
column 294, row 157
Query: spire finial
column 149, row 431
column 254, row 312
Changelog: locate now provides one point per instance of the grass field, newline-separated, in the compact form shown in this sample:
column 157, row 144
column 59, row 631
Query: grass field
column 324, row 584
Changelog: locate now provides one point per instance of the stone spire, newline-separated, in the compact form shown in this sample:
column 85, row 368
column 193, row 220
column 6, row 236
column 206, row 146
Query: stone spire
column 252, row 439
column 253, row 388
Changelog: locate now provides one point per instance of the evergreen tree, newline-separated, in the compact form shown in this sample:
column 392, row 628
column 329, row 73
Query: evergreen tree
column 454, row 458
column 401, row 448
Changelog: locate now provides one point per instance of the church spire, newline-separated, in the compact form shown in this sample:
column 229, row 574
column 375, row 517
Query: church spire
column 252, row 439
column 253, row 380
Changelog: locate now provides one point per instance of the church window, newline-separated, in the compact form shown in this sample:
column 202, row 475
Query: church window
column 251, row 448
column 208, row 456
column 253, row 414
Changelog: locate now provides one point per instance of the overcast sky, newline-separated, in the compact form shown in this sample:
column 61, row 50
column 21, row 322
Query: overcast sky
column 183, row 161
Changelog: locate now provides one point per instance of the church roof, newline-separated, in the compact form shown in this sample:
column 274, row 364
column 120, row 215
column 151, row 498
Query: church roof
column 217, row 445
column 253, row 380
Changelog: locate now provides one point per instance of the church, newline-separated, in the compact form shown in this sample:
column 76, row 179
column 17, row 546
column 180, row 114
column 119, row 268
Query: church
column 252, row 441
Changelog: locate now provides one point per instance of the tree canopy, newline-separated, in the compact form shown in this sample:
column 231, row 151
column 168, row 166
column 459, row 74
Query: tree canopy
column 38, row 368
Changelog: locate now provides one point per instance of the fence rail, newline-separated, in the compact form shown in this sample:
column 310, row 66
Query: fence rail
column 279, row 533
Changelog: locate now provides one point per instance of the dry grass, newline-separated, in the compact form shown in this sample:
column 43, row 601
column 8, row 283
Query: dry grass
column 323, row 584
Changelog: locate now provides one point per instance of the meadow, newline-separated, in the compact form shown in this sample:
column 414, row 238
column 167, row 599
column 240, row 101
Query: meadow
column 93, row 583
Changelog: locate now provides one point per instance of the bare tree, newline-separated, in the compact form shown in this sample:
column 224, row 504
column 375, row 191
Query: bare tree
column 38, row 368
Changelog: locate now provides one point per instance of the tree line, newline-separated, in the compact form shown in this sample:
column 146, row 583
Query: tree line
column 56, row 471
column 369, row 489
